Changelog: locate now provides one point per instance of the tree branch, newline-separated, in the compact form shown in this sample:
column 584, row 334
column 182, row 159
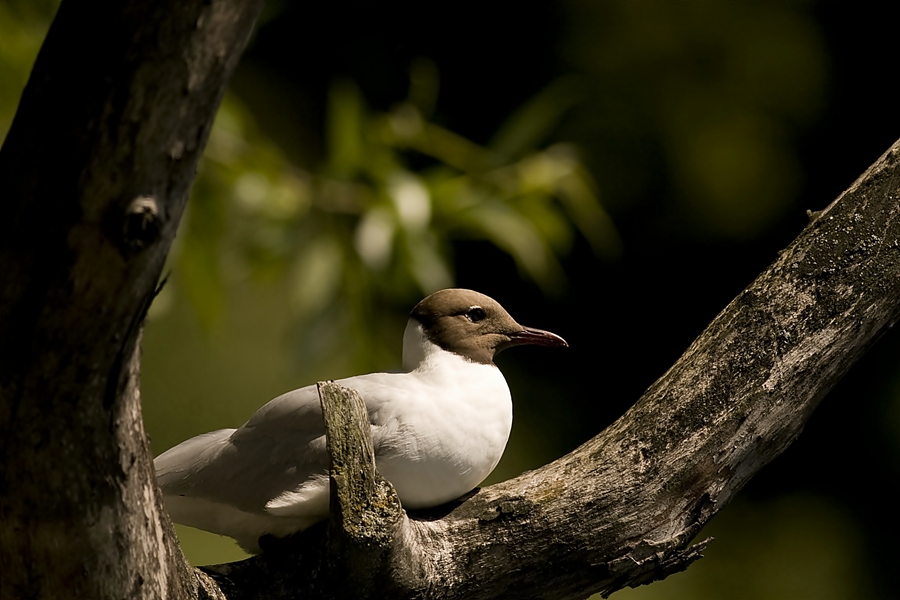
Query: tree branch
column 622, row 509
column 365, row 510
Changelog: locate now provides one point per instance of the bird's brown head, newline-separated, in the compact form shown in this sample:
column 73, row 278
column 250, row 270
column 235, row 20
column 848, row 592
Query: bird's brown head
column 474, row 326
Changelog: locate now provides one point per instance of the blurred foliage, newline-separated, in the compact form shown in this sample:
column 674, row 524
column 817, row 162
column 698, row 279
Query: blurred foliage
column 711, row 92
column 23, row 25
column 367, row 225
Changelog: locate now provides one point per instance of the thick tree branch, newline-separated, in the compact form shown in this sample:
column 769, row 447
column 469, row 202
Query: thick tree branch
column 622, row 509
column 96, row 169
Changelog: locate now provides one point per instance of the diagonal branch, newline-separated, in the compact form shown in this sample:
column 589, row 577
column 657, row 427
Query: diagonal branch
column 622, row 509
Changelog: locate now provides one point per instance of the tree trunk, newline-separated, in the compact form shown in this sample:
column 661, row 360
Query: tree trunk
column 95, row 172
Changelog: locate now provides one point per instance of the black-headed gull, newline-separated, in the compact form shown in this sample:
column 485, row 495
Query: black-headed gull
column 438, row 428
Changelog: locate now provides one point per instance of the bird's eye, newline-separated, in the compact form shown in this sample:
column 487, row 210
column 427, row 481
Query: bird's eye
column 475, row 314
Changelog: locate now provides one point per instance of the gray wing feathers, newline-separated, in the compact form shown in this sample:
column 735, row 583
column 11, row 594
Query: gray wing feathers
column 270, row 476
column 281, row 448
column 175, row 466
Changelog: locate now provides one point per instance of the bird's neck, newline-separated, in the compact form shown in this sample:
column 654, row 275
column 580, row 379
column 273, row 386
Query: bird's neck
column 416, row 347
column 420, row 353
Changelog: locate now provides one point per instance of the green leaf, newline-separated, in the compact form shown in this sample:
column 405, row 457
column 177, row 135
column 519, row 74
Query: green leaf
column 346, row 118
column 515, row 235
column 532, row 124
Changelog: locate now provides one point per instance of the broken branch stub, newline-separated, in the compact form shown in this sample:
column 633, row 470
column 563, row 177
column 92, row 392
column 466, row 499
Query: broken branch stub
column 365, row 513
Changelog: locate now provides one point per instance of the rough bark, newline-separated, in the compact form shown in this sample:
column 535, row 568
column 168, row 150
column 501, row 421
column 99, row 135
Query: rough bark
column 364, row 507
column 95, row 170
column 623, row 509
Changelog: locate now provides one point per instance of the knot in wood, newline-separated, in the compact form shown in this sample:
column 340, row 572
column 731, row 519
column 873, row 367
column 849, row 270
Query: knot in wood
column 141, row 224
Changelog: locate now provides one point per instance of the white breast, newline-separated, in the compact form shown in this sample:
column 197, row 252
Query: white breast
column 447, row 431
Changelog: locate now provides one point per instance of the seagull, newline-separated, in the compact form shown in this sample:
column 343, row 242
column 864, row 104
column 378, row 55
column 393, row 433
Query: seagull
column 438, row 428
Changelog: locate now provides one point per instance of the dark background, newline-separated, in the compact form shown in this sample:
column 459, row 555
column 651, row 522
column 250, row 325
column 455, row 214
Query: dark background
column 627, row 320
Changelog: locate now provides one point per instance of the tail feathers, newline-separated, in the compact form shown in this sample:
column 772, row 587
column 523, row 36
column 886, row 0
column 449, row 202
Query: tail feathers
column 245, row 527
column 206, row 485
